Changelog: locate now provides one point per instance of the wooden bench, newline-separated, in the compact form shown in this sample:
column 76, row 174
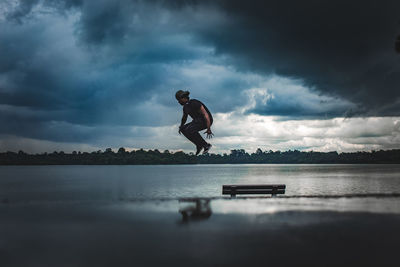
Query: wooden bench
column 272, row 189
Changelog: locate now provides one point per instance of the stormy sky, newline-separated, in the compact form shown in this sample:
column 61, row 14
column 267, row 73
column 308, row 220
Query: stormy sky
column 308, row 75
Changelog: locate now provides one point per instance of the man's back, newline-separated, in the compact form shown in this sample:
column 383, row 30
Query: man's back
column 192, row 107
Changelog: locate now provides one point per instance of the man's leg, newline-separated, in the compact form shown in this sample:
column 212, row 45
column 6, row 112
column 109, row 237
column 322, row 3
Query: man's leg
column 191, row 131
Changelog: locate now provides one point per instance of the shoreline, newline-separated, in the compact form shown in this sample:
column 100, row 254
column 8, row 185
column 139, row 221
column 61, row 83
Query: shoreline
column 204, row 164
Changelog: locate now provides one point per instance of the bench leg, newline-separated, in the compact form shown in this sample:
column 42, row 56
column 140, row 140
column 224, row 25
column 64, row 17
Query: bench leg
column 233, row 192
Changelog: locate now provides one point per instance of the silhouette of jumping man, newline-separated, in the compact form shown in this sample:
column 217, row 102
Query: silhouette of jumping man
column 201, row 119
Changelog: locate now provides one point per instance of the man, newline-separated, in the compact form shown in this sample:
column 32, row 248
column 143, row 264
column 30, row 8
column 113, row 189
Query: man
column 202, row 119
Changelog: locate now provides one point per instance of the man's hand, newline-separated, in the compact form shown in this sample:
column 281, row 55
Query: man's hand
column 209, row 133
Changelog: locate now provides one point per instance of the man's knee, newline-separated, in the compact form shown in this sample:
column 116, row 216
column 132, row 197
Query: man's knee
column 184, row 129
column 187, row 127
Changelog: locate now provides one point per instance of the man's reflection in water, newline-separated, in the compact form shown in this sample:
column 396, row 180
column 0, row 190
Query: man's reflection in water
column 201, row 209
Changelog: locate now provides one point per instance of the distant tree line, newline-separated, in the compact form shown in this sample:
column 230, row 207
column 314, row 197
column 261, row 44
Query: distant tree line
column 236, row 156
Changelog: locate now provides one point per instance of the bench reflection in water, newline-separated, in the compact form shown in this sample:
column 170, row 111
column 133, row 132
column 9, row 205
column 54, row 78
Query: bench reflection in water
column 196, row 209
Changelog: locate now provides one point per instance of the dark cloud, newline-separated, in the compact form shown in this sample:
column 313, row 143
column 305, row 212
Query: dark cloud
column 63, row 5
column 339, row 47
column 23, row 9
column 118, row 63
column 105, row 20
column 278, row 107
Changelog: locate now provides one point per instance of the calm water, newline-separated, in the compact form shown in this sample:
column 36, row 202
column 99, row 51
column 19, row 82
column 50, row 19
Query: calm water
column 339, row 187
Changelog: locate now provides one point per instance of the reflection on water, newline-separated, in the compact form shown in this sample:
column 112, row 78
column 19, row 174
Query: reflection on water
column 195, row 209
column 331, row 187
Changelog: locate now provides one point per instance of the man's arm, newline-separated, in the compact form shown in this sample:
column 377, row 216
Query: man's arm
column 184, row 118
column 208, row 121
column 205, row 114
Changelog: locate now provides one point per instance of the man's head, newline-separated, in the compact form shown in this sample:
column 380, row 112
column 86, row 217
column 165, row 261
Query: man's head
column 182, row 97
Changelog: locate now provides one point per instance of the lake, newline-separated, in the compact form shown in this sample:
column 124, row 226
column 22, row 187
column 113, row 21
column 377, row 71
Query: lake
column 331, row 215
column 337, row 187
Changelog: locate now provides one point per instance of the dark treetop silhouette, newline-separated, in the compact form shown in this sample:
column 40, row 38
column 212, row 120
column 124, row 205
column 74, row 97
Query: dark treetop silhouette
column 109, row 157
